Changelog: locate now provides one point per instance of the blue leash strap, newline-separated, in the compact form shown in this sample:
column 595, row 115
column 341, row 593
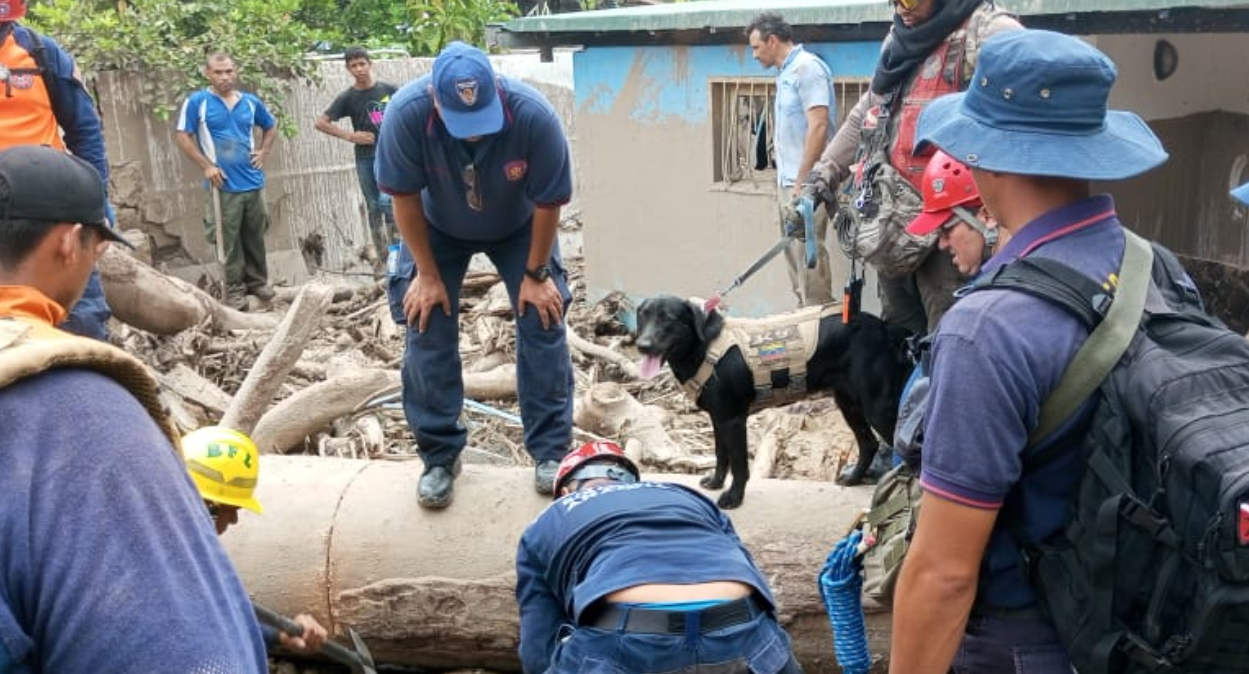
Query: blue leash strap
column 806, row 208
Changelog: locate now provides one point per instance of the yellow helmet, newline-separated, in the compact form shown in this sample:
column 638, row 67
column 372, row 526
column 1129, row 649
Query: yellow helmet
column 224, row 465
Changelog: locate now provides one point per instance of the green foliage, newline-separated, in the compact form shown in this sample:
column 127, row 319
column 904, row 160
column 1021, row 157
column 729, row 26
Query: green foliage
column 435, row 23
column 167, row 41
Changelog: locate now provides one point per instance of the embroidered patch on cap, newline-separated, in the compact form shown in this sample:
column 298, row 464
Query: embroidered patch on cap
column 467, row 90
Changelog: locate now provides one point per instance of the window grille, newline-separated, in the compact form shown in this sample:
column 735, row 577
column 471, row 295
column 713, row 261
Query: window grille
column 738, row 104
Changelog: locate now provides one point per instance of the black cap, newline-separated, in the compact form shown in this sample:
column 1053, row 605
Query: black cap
column 39, row 183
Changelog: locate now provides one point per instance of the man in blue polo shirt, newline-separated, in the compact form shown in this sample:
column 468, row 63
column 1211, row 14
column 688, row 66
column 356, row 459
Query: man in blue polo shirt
column 477, row 163
column 215, row 129
column 1035, row 131
column 620, row 575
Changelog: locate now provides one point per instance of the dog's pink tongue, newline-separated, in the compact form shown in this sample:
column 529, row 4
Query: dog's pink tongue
column 651, row 366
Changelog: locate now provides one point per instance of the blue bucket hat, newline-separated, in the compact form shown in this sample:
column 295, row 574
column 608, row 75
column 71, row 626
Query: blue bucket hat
column 1241, row 194
column 464, row 85
column 1037, row 106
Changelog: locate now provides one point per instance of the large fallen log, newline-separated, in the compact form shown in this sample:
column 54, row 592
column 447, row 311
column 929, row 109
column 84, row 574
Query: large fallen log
column 165, row 305
column 346, row 541
column 278, row 357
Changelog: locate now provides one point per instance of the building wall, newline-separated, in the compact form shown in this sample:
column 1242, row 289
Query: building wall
column 656, row 221
column 1201, row 114
column 312, row 191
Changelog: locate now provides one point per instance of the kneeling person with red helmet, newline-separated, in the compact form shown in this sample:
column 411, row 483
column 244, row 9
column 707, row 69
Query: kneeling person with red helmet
column 640, row 577
column 224, row 465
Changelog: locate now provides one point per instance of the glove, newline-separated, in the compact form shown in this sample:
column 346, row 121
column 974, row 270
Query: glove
column 794, row 226
column 821, row 184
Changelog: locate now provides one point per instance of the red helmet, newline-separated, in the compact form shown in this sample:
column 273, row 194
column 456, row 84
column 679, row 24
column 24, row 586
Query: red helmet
column 12, row 10
column 947, row 184
column 598, row 452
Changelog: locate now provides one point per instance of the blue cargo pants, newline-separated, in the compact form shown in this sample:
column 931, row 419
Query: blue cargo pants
column 433, row 382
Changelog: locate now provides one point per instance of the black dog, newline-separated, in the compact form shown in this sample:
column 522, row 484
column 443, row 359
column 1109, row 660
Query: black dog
column 863, row 363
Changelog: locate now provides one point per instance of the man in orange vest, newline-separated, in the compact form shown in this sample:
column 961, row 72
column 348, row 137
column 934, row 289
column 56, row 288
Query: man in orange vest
column 43, row 102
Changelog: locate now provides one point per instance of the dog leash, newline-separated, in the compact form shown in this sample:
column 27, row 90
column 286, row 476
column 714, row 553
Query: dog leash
column 713, row 302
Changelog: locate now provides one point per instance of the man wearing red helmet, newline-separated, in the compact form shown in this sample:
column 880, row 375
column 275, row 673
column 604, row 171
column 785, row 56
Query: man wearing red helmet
column 640, row 577
column 953, row 208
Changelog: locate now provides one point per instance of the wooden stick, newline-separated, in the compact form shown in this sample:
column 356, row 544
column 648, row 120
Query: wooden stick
column 277, row 358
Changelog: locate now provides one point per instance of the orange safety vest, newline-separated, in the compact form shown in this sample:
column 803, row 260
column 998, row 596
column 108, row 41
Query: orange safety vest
column 26, row 116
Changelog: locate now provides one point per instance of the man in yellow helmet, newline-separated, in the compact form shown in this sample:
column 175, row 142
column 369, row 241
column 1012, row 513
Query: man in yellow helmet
column 91, row 581
column 224, row 465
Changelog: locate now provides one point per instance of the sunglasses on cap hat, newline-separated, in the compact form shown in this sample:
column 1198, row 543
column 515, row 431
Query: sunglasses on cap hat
column 908, row 5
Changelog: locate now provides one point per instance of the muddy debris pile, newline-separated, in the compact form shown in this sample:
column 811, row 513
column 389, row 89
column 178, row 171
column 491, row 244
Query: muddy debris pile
column 318, row 372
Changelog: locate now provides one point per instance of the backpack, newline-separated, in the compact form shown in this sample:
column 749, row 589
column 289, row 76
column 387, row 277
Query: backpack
column 888, row 523
column 1151, row 573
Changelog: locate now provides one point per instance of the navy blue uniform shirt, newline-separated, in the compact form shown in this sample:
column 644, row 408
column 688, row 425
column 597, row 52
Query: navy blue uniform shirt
column 593, row 542
column 996, row 357
column 526, row 164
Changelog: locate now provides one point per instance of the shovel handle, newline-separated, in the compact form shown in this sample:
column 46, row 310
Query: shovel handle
column 219, row 227
column 333, row 649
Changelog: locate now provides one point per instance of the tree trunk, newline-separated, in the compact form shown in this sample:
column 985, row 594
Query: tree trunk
column 165, row 305
column 315, row 407
column 435, row 589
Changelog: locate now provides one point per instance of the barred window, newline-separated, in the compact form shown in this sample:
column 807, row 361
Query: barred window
column 739, row 105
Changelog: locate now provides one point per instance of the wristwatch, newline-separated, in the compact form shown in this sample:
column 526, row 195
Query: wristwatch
column 540, row 274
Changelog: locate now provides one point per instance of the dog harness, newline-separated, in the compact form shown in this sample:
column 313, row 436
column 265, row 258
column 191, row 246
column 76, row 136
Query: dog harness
column 776, row 350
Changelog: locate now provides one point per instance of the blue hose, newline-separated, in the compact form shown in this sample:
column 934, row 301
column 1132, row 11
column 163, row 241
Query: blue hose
column 841, row 586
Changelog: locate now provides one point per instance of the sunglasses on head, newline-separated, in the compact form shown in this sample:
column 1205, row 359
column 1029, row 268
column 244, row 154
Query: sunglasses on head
column 908, row 5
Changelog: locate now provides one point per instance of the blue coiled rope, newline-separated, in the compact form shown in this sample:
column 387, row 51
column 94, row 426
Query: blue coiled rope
column 841, row 586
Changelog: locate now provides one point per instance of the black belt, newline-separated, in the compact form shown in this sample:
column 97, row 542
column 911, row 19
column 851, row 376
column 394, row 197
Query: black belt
column 657, row 621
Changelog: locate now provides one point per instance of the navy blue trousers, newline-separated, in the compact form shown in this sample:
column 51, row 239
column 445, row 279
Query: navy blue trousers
column 433, row 382
column 1025, row 646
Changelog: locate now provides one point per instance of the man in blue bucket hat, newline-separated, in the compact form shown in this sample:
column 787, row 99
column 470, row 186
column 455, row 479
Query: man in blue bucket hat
column 1035, row 130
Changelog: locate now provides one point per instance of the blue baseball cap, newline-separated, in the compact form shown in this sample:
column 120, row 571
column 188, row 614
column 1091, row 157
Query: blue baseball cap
column 468, row 98
column 1241, row 194
column 1037, row 105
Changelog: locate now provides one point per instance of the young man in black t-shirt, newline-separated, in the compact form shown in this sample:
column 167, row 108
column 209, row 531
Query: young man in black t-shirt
column 365, row 103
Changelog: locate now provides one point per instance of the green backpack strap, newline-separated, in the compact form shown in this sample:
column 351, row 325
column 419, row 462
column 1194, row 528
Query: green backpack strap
column 1106, row 344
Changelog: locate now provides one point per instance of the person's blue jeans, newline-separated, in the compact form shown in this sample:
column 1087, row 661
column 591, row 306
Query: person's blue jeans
column 996, row 644
column 379, row 206
column 433, row 382
column 90, row 314
column 756, row 647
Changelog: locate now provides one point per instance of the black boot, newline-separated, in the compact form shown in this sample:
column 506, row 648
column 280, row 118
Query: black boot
column 544, row 476
column 437, row 486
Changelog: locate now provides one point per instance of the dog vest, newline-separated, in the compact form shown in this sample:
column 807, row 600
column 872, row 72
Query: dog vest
column 776, row 350
column 25, row 353
column 26, row 115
